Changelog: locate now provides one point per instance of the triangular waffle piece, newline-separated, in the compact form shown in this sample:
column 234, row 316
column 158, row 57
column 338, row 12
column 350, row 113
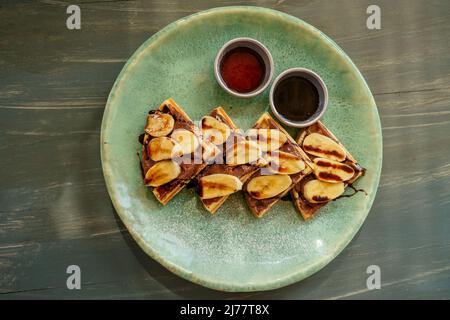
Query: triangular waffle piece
column 187, row 169
column 259, row 204
column 308, row 209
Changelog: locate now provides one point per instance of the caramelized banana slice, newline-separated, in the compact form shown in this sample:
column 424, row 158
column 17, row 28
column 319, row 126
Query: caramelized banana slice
column 163, row 148
column 159, row 124
column 186, row 139
column 161, row 173
column 332, row 171
column 264, row 187
column 243, row 152
column 316, row 191
column 267, row 139
column 210, row 152
column 214, row 131
column 218, row 185
column 321, row 146
column 285, row 163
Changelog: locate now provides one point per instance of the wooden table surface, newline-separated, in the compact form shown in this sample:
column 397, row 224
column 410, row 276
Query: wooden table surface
column 55, row 210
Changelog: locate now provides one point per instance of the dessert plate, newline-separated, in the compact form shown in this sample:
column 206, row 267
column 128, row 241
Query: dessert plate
column 232, row 250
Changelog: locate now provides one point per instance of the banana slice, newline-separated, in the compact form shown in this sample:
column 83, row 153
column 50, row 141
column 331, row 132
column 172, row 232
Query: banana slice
column 162, row 172
column 267, row 139
column 163, row 148
column 332, row 171
column 321, row 146
column 243, row 152
column 316, row 191
column 186, row 139
column 214, row 131
column 261, row 162
column 218, row 185
column 159, row 124
column 264, row 187
column 285, row 163
column 210, row 152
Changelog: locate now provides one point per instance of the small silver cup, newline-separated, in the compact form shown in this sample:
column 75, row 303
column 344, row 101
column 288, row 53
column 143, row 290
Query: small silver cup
column 317, row 81
column 254, row 45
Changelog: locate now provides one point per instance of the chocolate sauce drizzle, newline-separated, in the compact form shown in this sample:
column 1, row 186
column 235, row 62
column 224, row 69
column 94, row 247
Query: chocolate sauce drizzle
column 140, row 164
column 355, row 191
column 287, row 197
column 192, row 184
column 141, row 138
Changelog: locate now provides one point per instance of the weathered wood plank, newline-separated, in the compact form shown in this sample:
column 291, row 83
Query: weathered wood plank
column 55, row 208
column 408, row 53
column 39, row 246
column 29, row 190
column 141, row 277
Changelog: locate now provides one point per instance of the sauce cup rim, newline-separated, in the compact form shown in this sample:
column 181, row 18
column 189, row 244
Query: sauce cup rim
column 269, row 66
column 321, row 88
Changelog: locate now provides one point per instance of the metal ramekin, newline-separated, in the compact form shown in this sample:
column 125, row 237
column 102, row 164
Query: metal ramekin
column 260, row 49
column 316, row 81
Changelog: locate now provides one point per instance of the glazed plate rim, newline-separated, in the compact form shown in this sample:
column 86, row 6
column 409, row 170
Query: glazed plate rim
column 273, row 282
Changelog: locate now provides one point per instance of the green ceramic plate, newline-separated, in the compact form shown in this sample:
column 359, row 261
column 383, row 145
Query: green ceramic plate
column 232, row 250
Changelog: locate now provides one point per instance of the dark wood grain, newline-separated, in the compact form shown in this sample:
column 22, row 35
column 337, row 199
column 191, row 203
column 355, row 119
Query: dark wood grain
column 55, row 210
